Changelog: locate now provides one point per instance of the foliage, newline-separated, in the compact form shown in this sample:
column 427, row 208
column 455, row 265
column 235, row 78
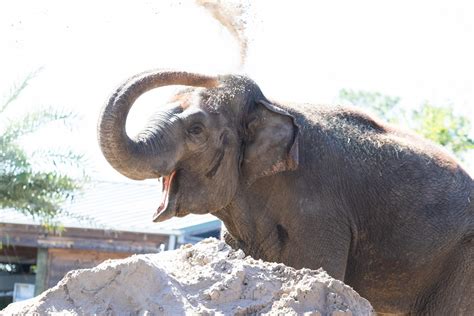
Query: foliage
column 39, row 193
column 437, row 123
column 442, row 126
column 382, row 105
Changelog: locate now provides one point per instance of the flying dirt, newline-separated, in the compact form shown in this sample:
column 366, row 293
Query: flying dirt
column 234, row 17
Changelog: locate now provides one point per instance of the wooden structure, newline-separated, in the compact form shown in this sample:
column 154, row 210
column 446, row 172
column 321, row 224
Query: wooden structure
column 56, row 254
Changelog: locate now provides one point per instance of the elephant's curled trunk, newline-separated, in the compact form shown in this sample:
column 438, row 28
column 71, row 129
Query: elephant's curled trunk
column 126, row 155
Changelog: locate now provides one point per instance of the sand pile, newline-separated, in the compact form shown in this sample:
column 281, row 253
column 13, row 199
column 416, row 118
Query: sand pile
column 208, row 278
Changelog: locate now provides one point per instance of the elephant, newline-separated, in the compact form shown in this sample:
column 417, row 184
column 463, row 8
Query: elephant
column 380, row 208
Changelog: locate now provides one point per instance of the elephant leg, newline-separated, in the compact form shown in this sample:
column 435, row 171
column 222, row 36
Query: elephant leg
column 330, row 250
column 453, row 293
column 227, row 237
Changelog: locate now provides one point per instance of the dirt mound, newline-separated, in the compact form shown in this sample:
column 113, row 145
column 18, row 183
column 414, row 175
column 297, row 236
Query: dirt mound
column 208, row 278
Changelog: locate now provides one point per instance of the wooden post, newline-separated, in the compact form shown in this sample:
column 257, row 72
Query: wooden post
column 41, row 270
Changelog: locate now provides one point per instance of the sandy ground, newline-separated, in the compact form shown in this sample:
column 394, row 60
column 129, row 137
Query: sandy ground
column 208, row 278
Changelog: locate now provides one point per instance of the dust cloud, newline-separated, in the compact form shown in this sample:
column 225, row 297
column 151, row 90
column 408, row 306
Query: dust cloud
column 235, row 17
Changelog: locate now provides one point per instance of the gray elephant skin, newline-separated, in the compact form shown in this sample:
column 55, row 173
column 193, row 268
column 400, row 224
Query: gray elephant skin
column 382, row 209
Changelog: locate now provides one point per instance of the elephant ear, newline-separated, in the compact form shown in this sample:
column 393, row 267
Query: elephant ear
column 271, row 144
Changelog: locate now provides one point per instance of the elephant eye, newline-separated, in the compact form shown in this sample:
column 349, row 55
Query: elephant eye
column 195, row 129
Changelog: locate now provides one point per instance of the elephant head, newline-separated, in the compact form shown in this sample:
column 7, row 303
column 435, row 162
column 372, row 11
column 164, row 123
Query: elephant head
column 212, row 137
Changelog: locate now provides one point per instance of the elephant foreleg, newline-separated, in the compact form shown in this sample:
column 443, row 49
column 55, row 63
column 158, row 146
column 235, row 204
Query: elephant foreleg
column 328, row 248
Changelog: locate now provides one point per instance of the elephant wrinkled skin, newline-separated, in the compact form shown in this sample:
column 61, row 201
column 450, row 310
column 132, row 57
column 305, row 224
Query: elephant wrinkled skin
column 384, row 210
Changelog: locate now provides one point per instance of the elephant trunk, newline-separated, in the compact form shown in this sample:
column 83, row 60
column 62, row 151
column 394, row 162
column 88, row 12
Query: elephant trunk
column 131, row 157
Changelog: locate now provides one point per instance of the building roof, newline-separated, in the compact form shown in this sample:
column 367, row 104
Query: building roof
column 120, row 206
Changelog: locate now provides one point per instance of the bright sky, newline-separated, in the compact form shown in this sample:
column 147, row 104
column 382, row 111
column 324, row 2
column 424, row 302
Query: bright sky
column 299, row 51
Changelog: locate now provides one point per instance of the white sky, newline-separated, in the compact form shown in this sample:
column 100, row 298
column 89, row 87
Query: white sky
column 299, row 51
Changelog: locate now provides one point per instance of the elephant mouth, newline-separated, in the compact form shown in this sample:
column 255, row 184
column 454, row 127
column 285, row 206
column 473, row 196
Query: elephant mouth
column 167, row 208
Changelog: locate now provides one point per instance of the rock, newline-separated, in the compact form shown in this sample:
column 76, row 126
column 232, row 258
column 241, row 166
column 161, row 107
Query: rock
column 208, row 278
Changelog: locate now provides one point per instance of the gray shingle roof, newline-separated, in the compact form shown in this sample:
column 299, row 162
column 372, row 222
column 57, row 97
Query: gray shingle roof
column 121, row 206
